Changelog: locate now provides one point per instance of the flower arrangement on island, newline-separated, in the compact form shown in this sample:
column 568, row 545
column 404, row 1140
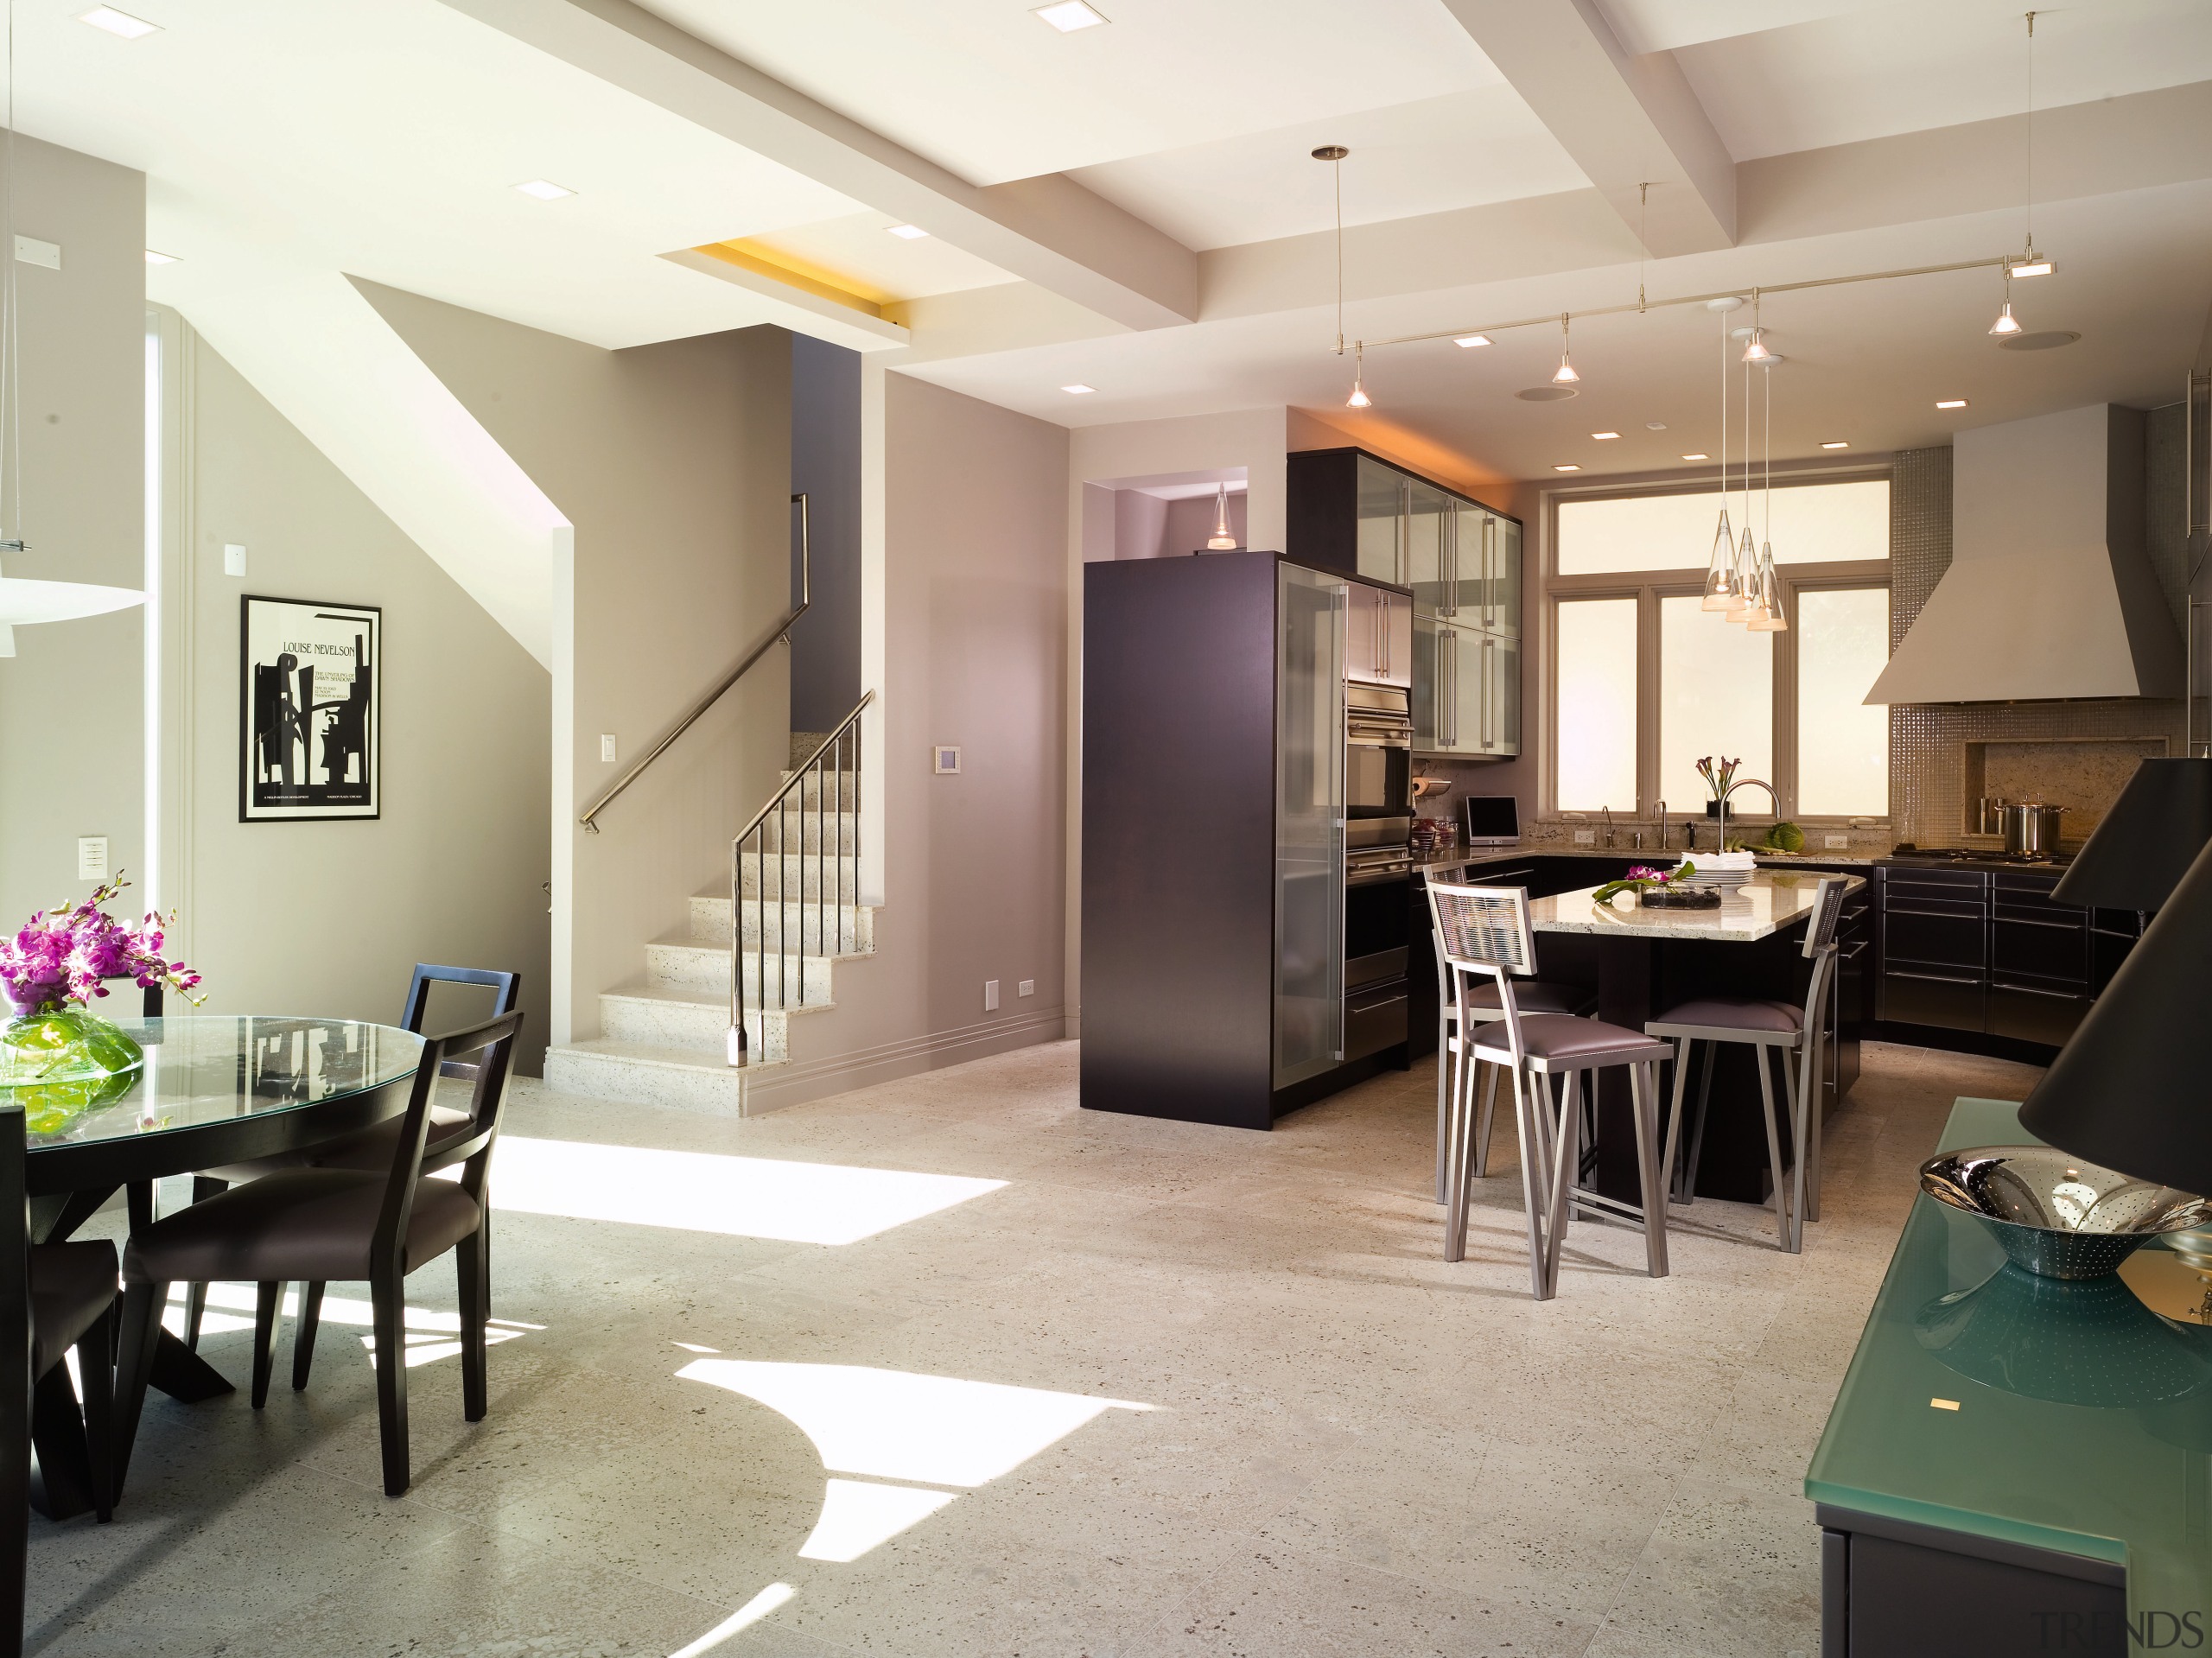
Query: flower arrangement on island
column 1643, row 877
column 63, row 955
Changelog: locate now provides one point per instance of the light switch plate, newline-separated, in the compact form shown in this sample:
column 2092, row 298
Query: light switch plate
column 606, row 746
column 32, row 252
column 1027, row 988
column 1835, row 843
column 233, row 559
column 1586, row 837
column 946, row 760
column 990, row 995
column 92, row 857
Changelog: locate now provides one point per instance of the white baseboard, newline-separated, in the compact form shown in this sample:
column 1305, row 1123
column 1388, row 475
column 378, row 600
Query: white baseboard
column 815, row 1079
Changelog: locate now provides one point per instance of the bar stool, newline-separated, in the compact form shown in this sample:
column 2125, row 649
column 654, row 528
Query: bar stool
column 1769, row 1028
column 1483, row 933
column 1485, row 1007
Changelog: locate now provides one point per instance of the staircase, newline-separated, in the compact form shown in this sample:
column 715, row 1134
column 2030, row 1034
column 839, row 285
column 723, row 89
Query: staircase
column 663, row 1039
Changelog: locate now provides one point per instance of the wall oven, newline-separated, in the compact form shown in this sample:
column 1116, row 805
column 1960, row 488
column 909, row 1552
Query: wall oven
column 1378, row 765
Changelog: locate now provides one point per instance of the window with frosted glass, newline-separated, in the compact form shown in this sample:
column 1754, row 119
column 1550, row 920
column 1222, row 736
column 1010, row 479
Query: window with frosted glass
column 1807, row 524
column 1716, row 698
column 1843, row 745
column 1597, row 704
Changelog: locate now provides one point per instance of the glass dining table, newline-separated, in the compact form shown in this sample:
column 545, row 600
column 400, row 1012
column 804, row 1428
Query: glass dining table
column 214, row 1091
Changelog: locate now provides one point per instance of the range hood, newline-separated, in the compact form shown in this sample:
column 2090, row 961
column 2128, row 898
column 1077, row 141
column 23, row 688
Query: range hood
column 2051, row 593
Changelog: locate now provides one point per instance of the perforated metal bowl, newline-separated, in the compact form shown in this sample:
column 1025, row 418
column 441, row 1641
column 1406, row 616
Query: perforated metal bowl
column 2055, row 1215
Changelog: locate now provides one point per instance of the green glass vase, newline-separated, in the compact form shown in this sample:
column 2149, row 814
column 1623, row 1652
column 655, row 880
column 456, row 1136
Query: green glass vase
column 59, row 1061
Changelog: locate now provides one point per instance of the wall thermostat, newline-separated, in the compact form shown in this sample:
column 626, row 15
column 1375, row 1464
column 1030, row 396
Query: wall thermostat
column 948, row 760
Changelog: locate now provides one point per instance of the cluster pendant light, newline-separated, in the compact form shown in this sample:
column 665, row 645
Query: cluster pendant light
column 1741, row 581
column 1770, row 617
column 1721, row 588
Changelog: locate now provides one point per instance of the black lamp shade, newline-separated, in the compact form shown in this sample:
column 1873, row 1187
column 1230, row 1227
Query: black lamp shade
column 2153, row 832
column 2132, row 1090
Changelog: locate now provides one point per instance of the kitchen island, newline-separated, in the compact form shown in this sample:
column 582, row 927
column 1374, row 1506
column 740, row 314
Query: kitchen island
column 1640, row 962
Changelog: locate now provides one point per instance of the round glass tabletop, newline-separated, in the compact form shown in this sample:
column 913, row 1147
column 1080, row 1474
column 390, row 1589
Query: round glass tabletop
column 206, row 1076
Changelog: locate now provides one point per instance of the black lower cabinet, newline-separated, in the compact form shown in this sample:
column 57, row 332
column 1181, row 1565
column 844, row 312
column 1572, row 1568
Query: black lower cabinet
column 1891, row 1588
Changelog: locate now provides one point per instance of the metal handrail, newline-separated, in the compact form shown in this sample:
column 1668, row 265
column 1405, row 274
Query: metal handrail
column 780, row 631
column 841, row 747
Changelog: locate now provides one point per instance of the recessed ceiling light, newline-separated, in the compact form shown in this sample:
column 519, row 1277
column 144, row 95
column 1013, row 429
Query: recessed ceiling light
column 154, row 258
column 1654, row 425
column 1699, row 455
column 1602, row 436
column 1568, row 466
column 1467, row 341
column 1838, row 444
column 1078, row 391
column 908, row 232
column 118, row 23
column 544, row 189
column 1951, row 402
column 2033, row 268
column 1068, row 15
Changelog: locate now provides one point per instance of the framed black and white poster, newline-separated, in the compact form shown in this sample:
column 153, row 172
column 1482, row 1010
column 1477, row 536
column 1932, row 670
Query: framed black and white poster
column 309, row 714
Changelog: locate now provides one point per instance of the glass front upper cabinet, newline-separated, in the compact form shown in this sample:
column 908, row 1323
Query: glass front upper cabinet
column 1382, row 521
column 1428, row 528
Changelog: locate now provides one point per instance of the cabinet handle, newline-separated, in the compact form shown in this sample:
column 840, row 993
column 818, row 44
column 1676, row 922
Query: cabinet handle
column 1449, row 703
column 2031, row 990
column 1932, row 978
column 1489, row 680
column 1490, row 571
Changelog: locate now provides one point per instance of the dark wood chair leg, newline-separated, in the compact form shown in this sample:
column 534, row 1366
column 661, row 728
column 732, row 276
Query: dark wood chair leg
column 267, row 1299
column 388, row 1299
column 473, row 1261
column 204, row 1186
column 134, row 1369
column 96, row 1381
column 303, row 1334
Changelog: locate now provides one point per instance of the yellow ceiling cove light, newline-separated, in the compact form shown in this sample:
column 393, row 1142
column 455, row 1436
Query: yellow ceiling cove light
column 118, row 23
column 908, row 232
column 544, row 190
column 1469, row 341
column 1068, row 15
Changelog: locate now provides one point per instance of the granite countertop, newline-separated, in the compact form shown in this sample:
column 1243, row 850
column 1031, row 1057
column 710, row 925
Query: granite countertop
column 1760, row 907
column 1644, row 855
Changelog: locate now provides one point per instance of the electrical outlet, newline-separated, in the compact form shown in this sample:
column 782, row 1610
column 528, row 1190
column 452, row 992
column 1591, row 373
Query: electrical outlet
column 606, row 747
column 990, row 995
column 92, row 857
column 1835, row 843
column 1586, row 837
column 233, row 559
column 1027, row 988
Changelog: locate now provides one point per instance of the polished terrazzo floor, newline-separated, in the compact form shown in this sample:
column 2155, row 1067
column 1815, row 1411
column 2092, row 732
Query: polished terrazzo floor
column 1166, row 1389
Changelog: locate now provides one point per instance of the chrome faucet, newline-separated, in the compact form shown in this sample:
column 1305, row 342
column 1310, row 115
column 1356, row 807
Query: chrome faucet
column 1662, row 826
column 1608, row 812
column 1745, row 783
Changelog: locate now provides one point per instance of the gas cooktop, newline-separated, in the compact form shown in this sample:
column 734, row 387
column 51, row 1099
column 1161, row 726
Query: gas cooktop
column 1910, row 853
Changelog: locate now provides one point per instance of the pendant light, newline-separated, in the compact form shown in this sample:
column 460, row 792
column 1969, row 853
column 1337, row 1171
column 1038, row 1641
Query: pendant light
column 1359, row 399
column 2030, row 262
column 1755, row 351
column 1221, row 541
column 1771, row 618
column 22, row 601
column 2006, row 322
column 1334, row 154
column 1564, row 374
column 1720, row 567
column 1746, row 556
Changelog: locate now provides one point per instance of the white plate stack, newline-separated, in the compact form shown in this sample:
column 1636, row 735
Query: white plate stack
column 1724, row 871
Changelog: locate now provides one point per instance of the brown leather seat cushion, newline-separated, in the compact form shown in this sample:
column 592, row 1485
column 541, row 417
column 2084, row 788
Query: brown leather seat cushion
column 72, row 1285
column 373, row 1149
column 1561, row 1036
column 303, row 1223
column 1726, row 1013
column 1531, row 997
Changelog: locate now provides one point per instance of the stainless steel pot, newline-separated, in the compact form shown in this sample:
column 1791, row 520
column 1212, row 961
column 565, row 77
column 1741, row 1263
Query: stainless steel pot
column 2031, row 827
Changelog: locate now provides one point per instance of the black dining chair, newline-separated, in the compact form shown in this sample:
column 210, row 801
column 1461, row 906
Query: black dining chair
column 317, row 1224
column 371, row 1149
column 53, row 1296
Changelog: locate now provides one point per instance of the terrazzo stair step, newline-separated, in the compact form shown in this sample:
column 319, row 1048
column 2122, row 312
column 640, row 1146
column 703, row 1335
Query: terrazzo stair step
column 643, row 1073
column 697, row 969
column 802, row 830
column 810, row 793
column 673, row 1018
column 849, row 928
column 789, row 876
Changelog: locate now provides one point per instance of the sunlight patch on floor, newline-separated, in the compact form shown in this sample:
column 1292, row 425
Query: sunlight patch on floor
column 751, row 1612
column 766, row 1197
column 857, row 1515
column 432, row 1334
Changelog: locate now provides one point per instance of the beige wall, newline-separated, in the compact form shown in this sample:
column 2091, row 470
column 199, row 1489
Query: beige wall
column 329, row 917
column 71, row 699
column 968, row 646
column 673, row 463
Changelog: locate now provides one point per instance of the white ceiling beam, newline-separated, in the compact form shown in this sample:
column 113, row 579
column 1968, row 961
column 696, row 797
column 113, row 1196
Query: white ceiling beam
column 1049, row 230
column 1627, row 120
